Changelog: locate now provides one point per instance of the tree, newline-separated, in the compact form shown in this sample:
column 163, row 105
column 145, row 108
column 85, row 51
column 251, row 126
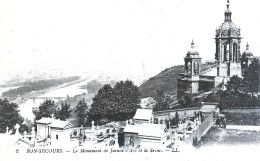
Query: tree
column 64, row 112
column 235, row 84
column 115, row 104
column 93, row 86
column 252, row 77
column 102, row 103
column 46, row 109
column 163, row 101
column 177, row 118
column 126, row 99
column 9, row 115
column 81, row 112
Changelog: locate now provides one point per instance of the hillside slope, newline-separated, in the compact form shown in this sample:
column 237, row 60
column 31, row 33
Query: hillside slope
column 165, row 80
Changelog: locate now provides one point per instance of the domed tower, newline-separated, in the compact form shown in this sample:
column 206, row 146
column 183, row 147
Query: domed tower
column 188, row 83
column 246, row 59
column 192, row 61
column 228, row 41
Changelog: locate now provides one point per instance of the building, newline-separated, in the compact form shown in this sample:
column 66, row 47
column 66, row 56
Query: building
column 57, row 131
column 143, row 115
column 229, row 62
column 145, row 135
column 246, row 59
column 153, row 135
column 143, row 132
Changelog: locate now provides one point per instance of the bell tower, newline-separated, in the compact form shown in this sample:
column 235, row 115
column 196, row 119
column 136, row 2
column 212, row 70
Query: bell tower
column 188, row 82
column 192, row 61
column 228, row 40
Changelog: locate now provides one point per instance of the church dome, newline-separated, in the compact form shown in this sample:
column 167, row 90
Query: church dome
column 193, row 51
column 226, row 26
column 247, row 52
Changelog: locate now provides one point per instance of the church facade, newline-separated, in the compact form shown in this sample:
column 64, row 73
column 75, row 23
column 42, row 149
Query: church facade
column 198, row 77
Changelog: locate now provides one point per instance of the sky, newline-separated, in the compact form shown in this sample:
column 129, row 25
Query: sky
column 115, row 37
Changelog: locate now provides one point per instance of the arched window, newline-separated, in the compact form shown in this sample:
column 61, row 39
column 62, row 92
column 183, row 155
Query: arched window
column 235, row 58
column 225, row 53
column 189, row 68
column 196, row 67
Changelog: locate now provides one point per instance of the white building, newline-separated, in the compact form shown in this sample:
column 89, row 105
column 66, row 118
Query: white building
column 145, row 135
column 152, row 135
column 57, row 131
column 143, row 115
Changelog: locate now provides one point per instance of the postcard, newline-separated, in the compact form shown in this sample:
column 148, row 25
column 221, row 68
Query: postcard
column 130, row 80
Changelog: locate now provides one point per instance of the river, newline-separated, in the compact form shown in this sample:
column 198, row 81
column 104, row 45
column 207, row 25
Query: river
column 56, row 94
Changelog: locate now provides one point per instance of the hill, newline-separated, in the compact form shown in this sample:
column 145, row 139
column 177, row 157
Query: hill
column 165, row 80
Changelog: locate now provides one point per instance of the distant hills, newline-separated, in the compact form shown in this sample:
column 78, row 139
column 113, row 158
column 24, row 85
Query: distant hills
column 165, row 80
column 28, row 86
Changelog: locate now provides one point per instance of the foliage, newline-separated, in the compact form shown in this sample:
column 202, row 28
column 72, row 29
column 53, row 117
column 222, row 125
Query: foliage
column 81, row 112
column 93, row 86
column 115, row 104
column 240, row 91
column 243, row 117
column 64, row 112
column 251, row 77
column 9, row 115
column 163, row 101
column 185, row 101
column 46, row 109
column 235, row 84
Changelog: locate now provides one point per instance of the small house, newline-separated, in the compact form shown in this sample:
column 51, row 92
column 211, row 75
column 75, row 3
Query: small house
column 58, row 131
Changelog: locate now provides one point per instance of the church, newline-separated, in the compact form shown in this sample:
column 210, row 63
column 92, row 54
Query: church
column 198, row 77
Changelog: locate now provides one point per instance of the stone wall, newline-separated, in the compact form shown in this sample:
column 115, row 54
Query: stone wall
column 183, row 113
column 201, row 130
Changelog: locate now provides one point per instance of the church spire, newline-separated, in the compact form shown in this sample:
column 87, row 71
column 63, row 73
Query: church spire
column 228, row 13
column 227, row 4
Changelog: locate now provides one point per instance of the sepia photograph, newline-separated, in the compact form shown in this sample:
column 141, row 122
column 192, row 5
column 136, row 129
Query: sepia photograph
column 130, row 80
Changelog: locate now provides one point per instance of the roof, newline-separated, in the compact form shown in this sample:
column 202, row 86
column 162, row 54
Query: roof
column 44, row 120
column 208, row 108
column 192, row 51
column 132, row 128
column 143, row 114
column 61, row 124
column 247, row 52
column 227, row 25
column 152, row 130
column 146, row 129
column 55, row 123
